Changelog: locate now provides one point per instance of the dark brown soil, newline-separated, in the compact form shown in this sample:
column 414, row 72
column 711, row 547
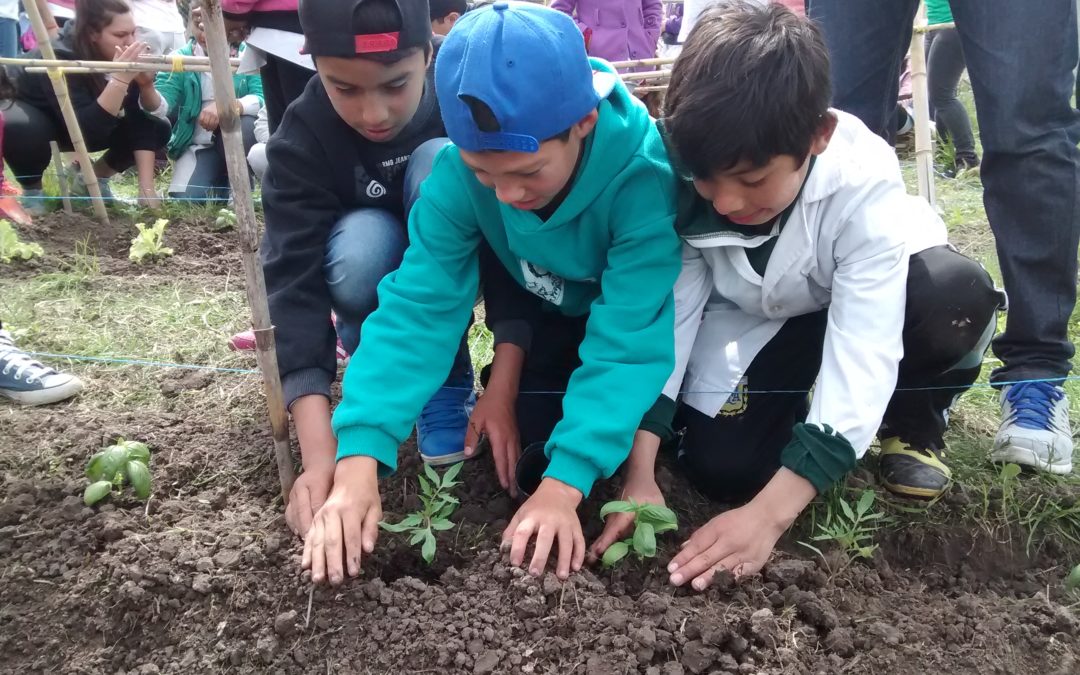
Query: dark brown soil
column 205, row 577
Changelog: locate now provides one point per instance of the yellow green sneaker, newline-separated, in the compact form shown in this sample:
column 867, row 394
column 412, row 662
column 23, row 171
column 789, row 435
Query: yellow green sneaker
column 912, row 471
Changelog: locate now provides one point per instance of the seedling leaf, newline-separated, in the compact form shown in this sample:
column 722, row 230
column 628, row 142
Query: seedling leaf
column 432, row 475
column 645, row 540
column 865, row 502
column 441, row 525
column 393, row 527
column 97, row 491
column 1072, row 582
column 616, row 507
column 113, row 459
column 656, row 514
column 427, row 552
column 139, row 477
column 137, row 451
column 451, row 474
column 417, row 537
column 615, row 553
column 94, row 468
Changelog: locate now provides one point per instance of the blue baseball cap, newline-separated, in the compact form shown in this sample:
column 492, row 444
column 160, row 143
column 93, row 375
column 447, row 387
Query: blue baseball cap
column 525, row 62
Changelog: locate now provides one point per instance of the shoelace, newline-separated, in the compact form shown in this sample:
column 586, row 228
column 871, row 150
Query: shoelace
column 1033, row 403
column 12, row 358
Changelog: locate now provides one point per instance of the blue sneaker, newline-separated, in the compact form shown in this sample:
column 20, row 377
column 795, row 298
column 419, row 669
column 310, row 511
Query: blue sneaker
column 29, row 382
column 1035, row 429
column 440, row 431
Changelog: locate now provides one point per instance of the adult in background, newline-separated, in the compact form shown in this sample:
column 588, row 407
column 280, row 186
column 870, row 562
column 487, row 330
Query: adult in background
column 106, row 105
column 1020, row 57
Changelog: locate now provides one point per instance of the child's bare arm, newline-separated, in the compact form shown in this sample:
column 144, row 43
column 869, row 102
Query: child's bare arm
column 318, row 448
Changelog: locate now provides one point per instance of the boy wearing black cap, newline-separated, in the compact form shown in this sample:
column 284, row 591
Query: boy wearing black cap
column 445, row 13
column 344, row 169
column 561, row 172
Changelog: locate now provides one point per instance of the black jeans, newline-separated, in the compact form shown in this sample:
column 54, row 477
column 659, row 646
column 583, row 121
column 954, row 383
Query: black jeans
column 1020, row 57
column 28, row 131
column 945, row 64
column 951, row 306
column 283, row 81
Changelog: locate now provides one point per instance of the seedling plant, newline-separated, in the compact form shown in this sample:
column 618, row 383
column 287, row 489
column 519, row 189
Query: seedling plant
column 108, row 470
column 12, row 248
column 850, row 528
column 649, row 521
column 149, row 244
column 438, row 505
column 225, row 221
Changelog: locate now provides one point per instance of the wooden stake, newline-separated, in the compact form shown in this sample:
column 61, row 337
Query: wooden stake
column 132, row 68
column 217, row 46
column 649, row 88
column 59, row 84
column 920, row 99
column 647, row 75
column 169, row 58
column 642, row 62
column 61, row 176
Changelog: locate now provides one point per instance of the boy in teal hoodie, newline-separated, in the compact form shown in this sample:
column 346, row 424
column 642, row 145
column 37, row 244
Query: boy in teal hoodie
column 560, row 172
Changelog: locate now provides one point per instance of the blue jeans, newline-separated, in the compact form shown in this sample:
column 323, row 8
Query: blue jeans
column 365, row 246
column 9, row 38
column 1020, row 56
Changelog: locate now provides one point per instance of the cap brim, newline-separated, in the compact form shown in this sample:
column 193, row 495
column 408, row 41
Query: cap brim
column 603, row 83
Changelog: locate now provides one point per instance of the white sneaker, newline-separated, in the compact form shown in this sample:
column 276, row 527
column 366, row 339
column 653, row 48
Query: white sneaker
column 30, row 382
column 1035, row 429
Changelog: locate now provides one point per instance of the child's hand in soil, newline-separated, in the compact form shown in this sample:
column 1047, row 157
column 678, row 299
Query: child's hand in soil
column 551, row 515
column 307, row 496
column 639, row 489
column 494, row 417
column 348, row 523
column 741, row 540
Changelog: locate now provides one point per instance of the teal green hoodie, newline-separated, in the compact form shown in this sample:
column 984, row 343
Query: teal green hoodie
column 611, row 243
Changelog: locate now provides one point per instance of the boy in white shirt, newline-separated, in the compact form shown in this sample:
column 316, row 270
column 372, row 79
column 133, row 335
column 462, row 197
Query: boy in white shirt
column 805, row 265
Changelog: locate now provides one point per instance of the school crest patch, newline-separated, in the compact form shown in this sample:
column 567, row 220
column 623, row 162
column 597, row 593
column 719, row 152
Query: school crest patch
column 543, row 283
column 737, row 401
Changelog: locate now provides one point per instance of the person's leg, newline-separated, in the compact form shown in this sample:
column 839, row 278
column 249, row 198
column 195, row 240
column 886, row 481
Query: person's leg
column 283, row 82
column 195, row 173
column 945, row 65
column 9, row 38
column 1031, row 189
column 256, row 158
column 730, row 456
column 867, row 42
column 29, row 382
column 28, row 132
column 950, row 317
column 136, row 139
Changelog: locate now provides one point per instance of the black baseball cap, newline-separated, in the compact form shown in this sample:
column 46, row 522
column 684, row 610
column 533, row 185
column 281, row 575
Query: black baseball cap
column 330, row 30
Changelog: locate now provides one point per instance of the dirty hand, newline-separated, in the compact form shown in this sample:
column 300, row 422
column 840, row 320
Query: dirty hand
column 307, row 496
column 551, row 516
column 208, row 118
column 347, row 525
column 640, row 490
column 494, row 417
column 739, row 540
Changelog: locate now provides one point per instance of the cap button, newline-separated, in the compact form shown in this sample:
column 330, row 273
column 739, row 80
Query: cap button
column 501, row 5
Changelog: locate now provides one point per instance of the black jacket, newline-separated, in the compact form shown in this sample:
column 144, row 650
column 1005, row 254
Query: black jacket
column 319, row 170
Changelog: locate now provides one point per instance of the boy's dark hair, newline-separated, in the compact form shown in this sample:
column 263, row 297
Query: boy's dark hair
column 752, row 83
column 382, row 16
column 440, row 9
column 486, row 121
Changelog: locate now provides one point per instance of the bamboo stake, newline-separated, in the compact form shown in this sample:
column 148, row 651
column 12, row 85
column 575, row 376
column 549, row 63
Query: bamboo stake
column 936, row 26
column 169, row 58
column 86, row 166
column 642, row 62
column 61, row 176
column 924, row 147
column 647, row 88
column 135, row 68
column 647, row 75
column 229, row 122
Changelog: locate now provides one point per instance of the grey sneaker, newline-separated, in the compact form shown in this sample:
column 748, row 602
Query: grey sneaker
column 33, row 201
column 30, row 382
column 76, row 186
column 1035, row 429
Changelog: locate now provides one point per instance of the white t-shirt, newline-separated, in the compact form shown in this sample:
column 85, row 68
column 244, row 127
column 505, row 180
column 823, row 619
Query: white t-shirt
column 9, row 9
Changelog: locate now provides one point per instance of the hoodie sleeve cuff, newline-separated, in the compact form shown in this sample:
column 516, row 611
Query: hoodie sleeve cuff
column 305, row 382
column 819, row 454
column 517, row 332
column 368, row 442
column 575, row 471
column 659, row 418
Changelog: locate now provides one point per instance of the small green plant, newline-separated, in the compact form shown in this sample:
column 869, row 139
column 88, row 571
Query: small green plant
column 225, row 221
column 148, row 244
column 438, row 505
column 12, row 248
column 108, row 470
column 649, row 521
column 851, row 528
column 1072, row 582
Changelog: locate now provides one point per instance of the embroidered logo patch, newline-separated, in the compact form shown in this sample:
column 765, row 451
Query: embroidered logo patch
column 542, row 283
column 737, row 401
column 375, row 189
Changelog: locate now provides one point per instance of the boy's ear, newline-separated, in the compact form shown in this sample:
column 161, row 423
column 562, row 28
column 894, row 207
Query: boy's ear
column 586, row 124
column 452, row 18
column 824, row 133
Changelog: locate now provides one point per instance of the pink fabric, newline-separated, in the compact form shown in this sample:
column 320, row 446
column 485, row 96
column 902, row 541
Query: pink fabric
column 247, row 6
column 797, row 6
column 621, row 29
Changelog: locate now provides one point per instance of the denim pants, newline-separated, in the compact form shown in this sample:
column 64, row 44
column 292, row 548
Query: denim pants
column 9, row 38
column 366, row 245
column 944, row 67
column 1020, row 57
